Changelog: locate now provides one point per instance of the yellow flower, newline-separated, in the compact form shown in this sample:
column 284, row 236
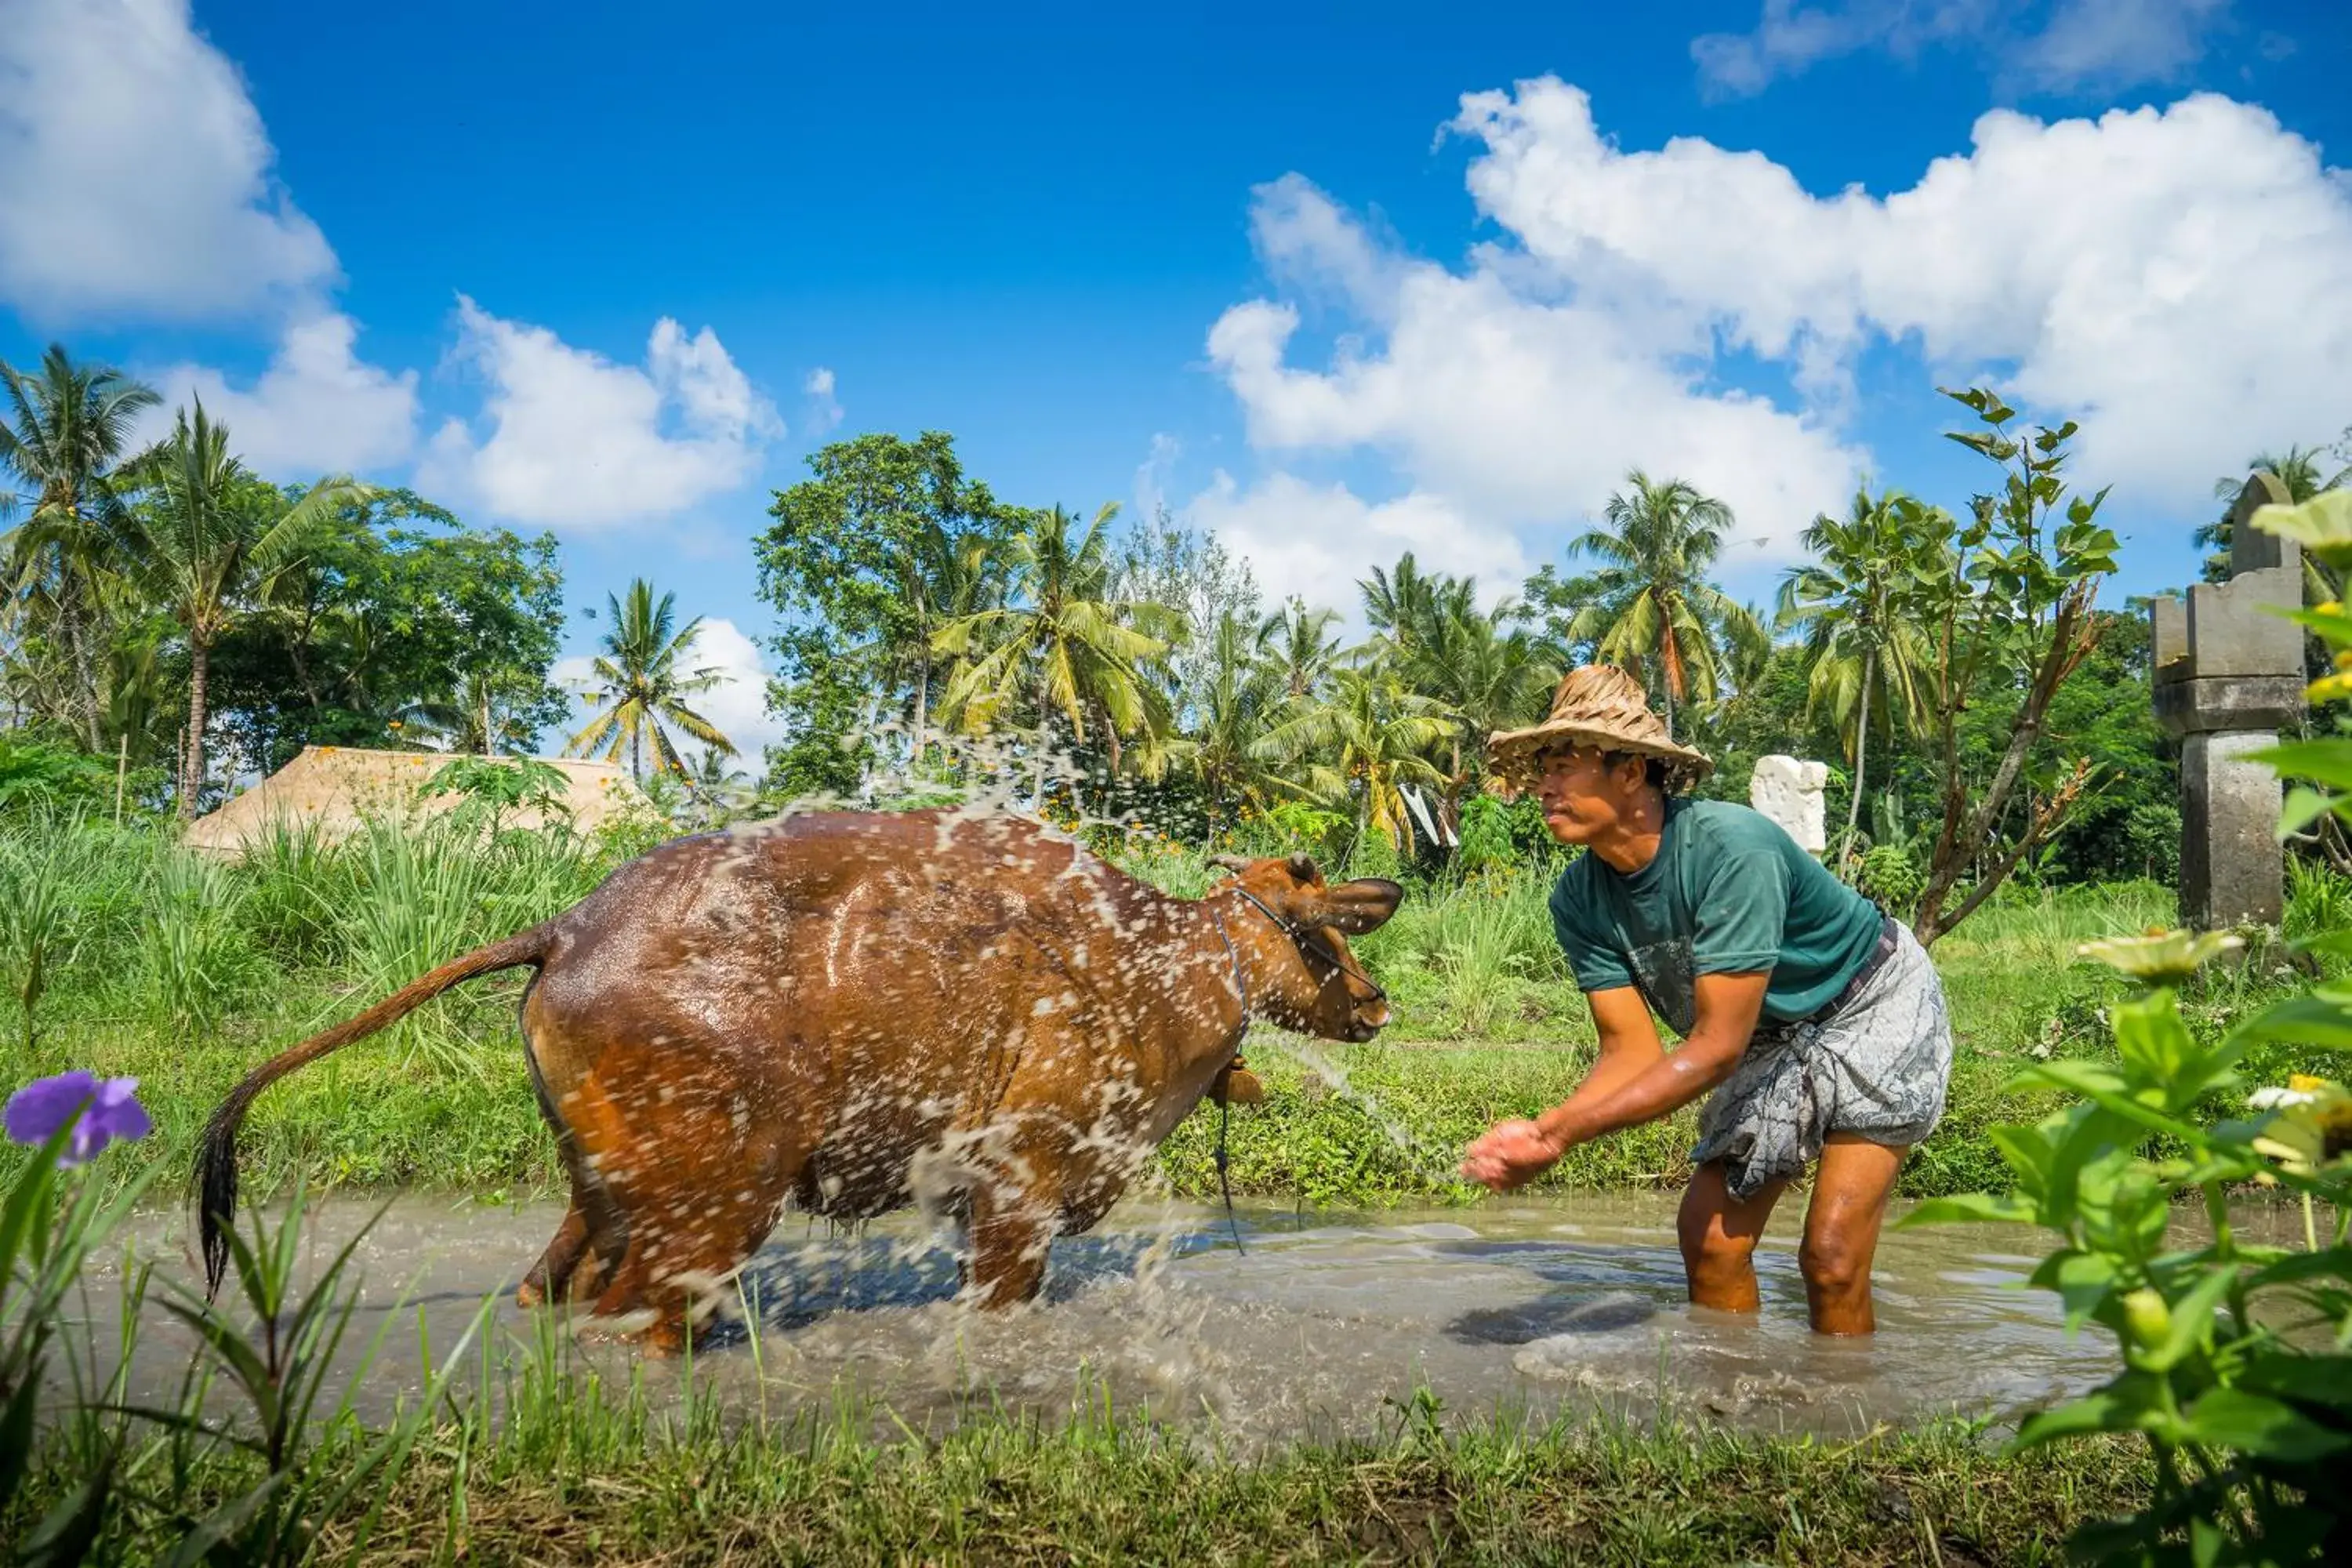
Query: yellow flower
column 2311, row 1122
column 2161, row 957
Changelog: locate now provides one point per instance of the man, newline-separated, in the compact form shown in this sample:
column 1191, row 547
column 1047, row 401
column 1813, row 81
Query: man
column 1817, row 1021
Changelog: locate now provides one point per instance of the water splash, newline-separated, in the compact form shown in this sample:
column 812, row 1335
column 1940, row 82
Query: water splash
column 1441, row 1168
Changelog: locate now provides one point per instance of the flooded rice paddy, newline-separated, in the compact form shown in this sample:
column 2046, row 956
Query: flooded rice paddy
column 1535, row 1305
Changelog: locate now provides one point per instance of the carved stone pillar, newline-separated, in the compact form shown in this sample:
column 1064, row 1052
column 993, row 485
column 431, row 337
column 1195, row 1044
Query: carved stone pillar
column 2228, row 677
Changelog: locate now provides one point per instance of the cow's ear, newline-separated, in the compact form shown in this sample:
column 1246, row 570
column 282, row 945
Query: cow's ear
column 1357, row 907
column 1302, row 869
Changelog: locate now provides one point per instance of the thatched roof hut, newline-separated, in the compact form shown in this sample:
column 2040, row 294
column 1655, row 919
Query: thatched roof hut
column 328, row 790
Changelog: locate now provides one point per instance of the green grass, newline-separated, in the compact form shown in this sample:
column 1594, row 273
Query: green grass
column 185, row 974
column 563, row 1469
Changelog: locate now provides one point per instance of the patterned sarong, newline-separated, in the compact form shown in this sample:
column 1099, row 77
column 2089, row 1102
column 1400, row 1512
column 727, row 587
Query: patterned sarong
column 1876, row 1067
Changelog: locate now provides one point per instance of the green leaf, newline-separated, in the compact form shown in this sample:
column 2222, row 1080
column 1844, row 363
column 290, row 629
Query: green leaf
column 2292, row 1375
column 2122, row 1405
column 2258, row 1425
column 17, row 1434
column 2323, row 762
column 2304, row 807
column 217, row 1527
column 2317, row 1019
column 2030, row 1151
column 2082, row 1280
column 65, row 1534
column 1966, row 1208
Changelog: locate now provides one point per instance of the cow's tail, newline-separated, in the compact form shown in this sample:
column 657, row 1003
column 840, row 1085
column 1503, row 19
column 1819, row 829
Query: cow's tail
column 216, row 1153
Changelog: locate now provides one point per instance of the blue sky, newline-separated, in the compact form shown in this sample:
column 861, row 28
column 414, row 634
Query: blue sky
column 1266, row 264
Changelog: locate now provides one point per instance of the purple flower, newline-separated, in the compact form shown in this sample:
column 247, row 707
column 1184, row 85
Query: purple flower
column 101, row 1110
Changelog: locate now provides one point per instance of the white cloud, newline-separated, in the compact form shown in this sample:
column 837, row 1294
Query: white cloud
column 134, row 172
column 1522, row 411
column 737, row 706
column 823, row 408
column 2116, row 44
column 1152, row 474
column 316, row 409
column 2079, row 45
column 2180, row 280
column 1789, row 37
column 1319, row 541
column 577, row 440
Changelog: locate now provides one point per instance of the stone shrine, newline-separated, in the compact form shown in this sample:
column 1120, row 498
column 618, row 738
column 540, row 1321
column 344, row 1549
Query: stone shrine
column 2228, row 677
column 1789, row 792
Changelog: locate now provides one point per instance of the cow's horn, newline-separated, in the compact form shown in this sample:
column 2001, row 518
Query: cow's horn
column 1230, row 862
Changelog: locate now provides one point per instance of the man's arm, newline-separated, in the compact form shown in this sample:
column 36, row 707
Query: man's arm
column 1629, row 1043
column 1635, row 1081
column 1728, row 1006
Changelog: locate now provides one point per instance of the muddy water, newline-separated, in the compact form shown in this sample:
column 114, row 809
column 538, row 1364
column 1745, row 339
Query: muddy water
column 1539, row 1305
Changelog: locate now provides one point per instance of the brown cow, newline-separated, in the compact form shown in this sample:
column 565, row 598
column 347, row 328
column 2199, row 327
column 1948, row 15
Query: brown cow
column 859, row 1011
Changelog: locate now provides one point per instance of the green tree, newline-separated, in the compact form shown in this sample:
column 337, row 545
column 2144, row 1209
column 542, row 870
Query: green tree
column 399, row 620
column 209, row 535
column 643, row 687
column 1240, row 698
column 1060, row 644
column 1653, row 609
column 864, row 562
column 1354, row 749
column 2007, row 606
column 1193, row 575
column 1863, row 658
column 66, row 427
column 1487, row 673
column 1299, row 647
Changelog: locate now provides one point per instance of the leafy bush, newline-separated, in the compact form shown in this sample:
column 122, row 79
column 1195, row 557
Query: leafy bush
column 2235, row 1363
column 36, row 775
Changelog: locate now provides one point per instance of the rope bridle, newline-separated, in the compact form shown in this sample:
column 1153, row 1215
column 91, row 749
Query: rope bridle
column 1311, row 940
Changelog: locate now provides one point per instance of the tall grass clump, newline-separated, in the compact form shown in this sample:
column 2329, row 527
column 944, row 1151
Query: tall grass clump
column 292, row 870
column 198, row 961
column 414, row 895
column 36, row 925
column 1476, row 957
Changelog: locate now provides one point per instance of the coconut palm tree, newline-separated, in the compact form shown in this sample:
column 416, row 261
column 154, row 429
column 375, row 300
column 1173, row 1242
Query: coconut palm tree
column 1060, row 642
column 1241, row 698
column 643, row 685
column 1862, row 658
column 1655, row 613
column 66, row 425
column 206, row 534
column 1301, row 647
column 1488, row 673
column 1356, row 748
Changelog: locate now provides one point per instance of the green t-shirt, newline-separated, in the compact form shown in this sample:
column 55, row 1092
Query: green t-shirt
column 1729, row 894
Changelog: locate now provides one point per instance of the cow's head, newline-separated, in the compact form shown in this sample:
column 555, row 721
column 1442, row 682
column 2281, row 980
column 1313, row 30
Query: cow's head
column 1296, row 926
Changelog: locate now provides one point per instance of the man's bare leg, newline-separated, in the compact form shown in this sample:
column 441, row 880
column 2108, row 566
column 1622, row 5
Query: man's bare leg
column 1850, row 1195
column 1718, row 1234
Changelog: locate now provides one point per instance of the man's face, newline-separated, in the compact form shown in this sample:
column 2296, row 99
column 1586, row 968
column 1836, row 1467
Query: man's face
column 1583, row 799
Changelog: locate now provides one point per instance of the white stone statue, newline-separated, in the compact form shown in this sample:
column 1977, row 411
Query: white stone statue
column 1789, row 792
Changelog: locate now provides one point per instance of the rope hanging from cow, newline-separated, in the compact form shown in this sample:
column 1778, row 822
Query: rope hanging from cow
column 1225, row 1101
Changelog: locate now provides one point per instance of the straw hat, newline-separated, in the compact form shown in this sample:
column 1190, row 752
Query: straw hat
column 1602, row 707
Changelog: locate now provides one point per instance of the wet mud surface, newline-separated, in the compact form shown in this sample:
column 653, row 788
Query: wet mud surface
column 1539, row 1305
